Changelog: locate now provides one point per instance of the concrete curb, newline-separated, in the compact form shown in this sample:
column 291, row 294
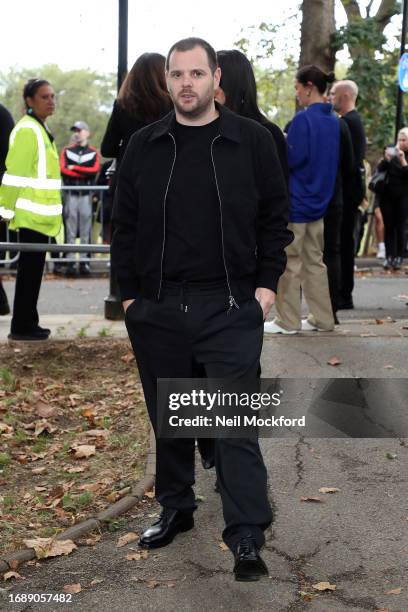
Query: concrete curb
column 97, row 522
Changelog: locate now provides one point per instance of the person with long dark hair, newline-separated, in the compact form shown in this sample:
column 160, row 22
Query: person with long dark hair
column 143, row 98
column 30, row 199
column 238, row 92
column 313, row 150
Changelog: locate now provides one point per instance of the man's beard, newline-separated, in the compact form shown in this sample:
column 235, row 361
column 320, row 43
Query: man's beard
column 200, row 108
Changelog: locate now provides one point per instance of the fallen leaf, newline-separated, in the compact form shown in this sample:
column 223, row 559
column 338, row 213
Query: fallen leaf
column 72, row 399
column 4, row 428
column 368, row 336
column 223, row 546
column 45, row 410
column 388, row 367
column 13, row 564
column 391, row 455
column 83, row 451
column 131, row 536
column 93, row 540
column 307, row 596
column 311, row 499
column 40, row 489
column 96, row 581
column 328, row 490
column 38, row 470
column 94, row 433
column 16, row 575
column 152, row 584
column 72, row 588
column 324, row 586
column 136, row 556
column 49, row 547
column 394, row 591
column 43, row 425
column 127, row 357
column 334, row 361
column 379, row 321
column 75, row 469
column 150, row 494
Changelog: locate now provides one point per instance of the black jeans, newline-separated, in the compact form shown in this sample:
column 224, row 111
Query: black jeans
column 169, row 342
column 394, row 212
column 28, row 282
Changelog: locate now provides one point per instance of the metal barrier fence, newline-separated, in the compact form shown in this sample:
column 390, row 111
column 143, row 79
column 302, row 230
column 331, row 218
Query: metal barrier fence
column 13, row 246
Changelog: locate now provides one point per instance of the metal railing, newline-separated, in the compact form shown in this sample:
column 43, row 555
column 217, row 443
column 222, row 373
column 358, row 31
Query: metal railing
column 11, row 246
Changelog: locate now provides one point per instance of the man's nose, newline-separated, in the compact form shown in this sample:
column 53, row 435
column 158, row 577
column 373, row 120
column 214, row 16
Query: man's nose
column 187, row 81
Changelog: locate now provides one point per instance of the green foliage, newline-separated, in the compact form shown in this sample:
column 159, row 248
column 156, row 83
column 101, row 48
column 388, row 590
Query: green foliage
column 374, row 69
column 81, row 95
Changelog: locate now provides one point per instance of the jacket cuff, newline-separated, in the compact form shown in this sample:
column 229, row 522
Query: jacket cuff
column 128, row 289
column 268, row 279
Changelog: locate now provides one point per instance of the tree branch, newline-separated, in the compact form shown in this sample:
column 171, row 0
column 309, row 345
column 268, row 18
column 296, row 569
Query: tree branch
column 387, row 9
column 368, row 8
column 352, row 9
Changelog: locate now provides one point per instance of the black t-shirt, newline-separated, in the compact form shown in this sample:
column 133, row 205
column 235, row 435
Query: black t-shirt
column 6, row 126
column 193, row 249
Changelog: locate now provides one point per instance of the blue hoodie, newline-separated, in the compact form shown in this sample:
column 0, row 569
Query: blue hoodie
column 313, row 151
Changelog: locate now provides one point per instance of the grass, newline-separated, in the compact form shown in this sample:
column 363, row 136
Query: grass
column 8, row 380
column 4, row 459
column 105, row 332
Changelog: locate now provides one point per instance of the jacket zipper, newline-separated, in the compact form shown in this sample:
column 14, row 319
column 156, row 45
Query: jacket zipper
column 164, row 215
column 231, row 299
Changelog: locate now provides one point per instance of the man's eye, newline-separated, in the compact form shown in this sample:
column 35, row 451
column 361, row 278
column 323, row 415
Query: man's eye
column 197, row 73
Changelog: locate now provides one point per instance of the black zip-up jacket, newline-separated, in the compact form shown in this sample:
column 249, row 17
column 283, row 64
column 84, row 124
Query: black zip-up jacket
column 253, row 201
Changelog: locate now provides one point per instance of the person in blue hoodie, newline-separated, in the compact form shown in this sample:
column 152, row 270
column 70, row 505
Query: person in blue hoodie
column 313, row 151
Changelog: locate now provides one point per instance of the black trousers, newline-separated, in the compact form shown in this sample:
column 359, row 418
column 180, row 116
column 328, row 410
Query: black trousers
column 28, row 282
column 394, row 212
column 170, row 342
column 331, row 252
column 347, row 249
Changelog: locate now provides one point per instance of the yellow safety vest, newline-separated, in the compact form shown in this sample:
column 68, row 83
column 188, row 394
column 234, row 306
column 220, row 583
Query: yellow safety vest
column 30, row 193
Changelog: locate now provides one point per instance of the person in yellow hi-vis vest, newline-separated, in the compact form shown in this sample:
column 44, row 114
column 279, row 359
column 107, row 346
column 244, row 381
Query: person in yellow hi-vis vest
column 30, row 200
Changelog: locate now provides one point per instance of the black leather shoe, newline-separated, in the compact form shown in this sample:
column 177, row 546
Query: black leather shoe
column 163, row 531
column 249, row 566
column 28, row 336
column 4, row 307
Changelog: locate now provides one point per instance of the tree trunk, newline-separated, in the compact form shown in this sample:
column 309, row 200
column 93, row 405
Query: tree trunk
column 318, row 28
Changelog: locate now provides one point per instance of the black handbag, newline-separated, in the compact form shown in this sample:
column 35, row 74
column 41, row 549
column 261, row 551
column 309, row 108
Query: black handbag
column 378, row 181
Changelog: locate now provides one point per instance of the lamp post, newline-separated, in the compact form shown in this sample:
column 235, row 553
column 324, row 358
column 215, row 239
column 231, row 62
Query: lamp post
column 113, row 304
column 398, row 118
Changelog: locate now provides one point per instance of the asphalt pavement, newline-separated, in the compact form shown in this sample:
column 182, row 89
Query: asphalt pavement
column 355, row 539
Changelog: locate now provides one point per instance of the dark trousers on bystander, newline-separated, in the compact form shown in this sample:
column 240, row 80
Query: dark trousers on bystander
column 28, row 282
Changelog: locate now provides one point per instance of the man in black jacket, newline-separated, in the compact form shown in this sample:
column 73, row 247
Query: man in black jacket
column 6, row 126
column 343, row 96
column 200, row 230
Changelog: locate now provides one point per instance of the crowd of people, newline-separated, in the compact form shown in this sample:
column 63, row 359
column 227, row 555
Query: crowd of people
column 321, row 152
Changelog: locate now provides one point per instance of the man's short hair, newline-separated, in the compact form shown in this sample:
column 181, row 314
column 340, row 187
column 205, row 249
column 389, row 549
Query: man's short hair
column 187, row 44
column 351, row 86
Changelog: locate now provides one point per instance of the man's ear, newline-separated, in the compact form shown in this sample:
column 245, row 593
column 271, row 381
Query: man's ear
column 217, row 77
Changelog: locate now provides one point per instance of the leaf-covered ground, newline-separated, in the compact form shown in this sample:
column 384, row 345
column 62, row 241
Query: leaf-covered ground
column 73, row 434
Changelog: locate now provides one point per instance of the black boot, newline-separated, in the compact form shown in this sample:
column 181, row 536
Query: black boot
column 163, row 531
column 249, row 566
column 4, row 305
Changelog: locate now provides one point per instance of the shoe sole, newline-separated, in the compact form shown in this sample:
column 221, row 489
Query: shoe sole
column 252, row 576
column 27, row 338
column 161, row 543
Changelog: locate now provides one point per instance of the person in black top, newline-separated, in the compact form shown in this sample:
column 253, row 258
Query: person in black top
column 6, row 126
column 343, row 96
column 200, row 220
column 142, row 99
column 238, row 92
column 394, row 200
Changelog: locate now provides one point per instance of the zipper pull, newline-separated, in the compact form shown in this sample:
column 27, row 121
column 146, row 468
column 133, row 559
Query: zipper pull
column 232, row 303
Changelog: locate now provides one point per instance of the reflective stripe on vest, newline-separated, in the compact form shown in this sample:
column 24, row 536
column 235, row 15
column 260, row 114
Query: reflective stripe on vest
column 36, row 183
column 42, row 166
column 47, row 210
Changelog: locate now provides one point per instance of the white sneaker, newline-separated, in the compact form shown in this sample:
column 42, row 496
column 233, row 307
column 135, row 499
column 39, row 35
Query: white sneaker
column 306, row 326
column 381, row 251
column 270, row 327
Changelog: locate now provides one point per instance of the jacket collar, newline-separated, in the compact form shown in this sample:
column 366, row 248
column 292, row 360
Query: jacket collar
column 229, row 126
